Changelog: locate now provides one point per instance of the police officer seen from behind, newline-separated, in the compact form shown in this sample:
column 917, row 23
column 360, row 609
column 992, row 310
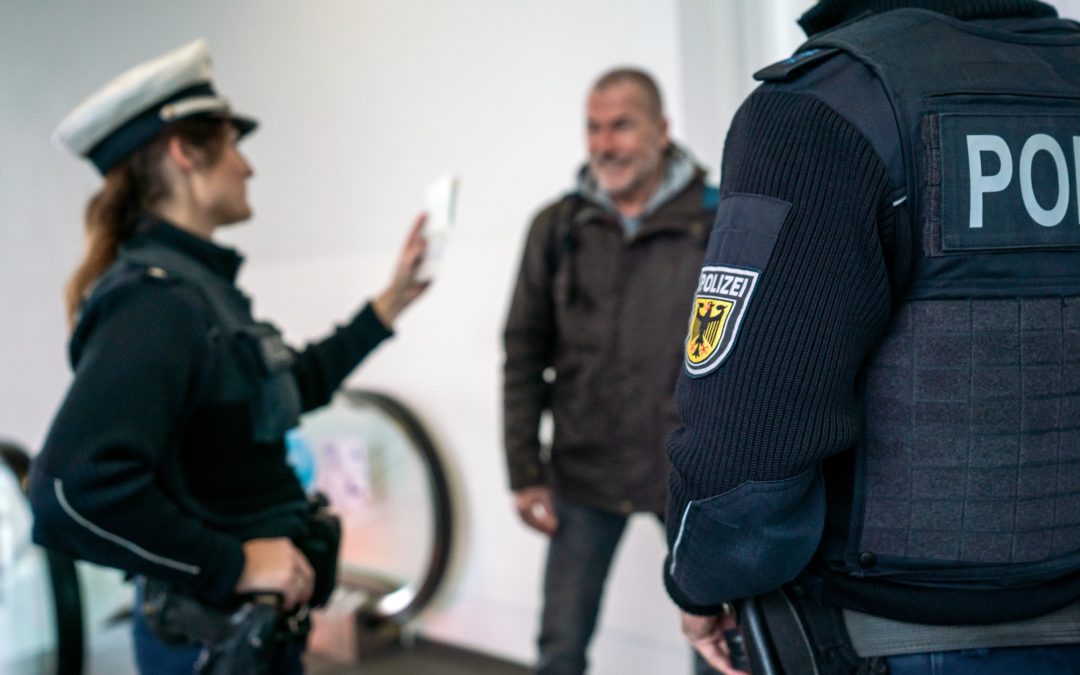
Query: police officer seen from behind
column 167, row 457
column 880, row 398
column 594, row 335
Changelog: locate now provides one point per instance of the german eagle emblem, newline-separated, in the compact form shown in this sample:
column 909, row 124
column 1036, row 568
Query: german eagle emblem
column 720, row 303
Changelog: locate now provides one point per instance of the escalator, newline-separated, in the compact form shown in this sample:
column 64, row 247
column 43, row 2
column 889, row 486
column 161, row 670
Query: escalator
column 371, row 455
column 40, row 600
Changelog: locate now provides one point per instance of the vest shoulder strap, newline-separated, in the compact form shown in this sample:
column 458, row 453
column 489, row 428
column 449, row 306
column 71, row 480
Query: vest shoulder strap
column 795, row 65
column 227, row 303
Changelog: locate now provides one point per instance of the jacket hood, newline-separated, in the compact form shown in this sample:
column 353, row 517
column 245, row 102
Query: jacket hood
column 680, row 169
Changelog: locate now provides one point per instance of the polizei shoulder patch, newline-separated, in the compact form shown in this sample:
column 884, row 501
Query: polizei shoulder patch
column 720, row 303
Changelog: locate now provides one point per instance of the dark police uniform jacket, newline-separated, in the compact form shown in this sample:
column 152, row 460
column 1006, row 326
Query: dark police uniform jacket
column 881, row 383
column 168, row 450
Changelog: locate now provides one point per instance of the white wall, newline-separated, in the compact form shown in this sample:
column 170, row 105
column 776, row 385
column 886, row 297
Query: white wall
column 1067, row 8
column 722, row 45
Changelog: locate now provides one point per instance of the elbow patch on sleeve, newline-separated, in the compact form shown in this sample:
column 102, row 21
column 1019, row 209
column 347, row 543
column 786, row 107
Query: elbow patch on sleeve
column 749, row 540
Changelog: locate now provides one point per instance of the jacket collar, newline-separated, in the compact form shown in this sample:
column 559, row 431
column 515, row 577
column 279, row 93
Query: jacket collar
column 669, row 207
column 830, row 13
column 679, row 170
column 221, row 260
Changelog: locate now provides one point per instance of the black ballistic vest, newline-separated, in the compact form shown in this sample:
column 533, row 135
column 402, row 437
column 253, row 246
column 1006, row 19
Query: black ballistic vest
column 251, row 363
column 968, row 473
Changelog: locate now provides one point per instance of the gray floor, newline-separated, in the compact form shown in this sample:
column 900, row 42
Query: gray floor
column 421, row 658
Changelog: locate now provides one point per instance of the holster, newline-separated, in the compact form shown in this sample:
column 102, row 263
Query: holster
column 801, row 635
column 178, row 619
column 259, row 641
column 320, row 546
column 248, row 638
column 250, row 634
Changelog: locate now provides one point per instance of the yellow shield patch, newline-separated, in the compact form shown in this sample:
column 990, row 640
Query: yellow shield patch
column 706, row 327
column 720, row 303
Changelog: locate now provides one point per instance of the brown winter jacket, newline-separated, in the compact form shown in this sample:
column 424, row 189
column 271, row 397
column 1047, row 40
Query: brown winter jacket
column 608, row 315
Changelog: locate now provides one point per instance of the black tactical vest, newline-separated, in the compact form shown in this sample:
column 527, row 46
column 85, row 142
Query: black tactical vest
column 251, row 362
column 968, row 472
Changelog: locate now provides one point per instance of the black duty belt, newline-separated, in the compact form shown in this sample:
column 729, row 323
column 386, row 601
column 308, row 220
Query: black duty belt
column 788, row 631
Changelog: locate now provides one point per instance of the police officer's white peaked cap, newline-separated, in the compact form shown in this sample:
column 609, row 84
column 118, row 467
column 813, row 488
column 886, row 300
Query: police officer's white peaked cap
column 137, row 105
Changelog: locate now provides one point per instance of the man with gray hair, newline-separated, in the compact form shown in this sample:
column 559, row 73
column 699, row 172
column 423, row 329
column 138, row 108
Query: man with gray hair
column 594, row 335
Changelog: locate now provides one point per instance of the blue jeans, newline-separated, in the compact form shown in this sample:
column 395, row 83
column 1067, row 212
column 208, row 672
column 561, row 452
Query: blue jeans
column 579, row 557
column 578, row 561
column 154, row 656
column 1050, row 660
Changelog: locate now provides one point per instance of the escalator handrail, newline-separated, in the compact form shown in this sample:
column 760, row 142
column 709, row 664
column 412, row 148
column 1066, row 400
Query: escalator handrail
column 441, row 503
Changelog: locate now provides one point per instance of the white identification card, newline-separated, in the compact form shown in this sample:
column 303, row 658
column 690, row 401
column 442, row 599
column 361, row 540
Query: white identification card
column 439, row 205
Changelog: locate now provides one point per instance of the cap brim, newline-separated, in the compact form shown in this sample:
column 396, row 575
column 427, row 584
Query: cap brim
column 244, row 124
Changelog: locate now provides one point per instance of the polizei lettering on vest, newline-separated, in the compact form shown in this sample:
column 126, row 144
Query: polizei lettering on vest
column 715, row 283
column 981, row 183
column 1003, row 181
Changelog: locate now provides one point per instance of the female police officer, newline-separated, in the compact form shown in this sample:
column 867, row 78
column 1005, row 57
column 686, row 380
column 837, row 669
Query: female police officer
column 166, row 458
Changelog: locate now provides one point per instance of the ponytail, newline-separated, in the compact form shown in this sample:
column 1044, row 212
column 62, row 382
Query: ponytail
column 110, row 220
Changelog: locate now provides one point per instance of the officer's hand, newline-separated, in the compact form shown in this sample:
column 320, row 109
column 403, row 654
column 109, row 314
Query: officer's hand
column 706, row 634
column 277, row 566
column 404, row 287
column 536, row 508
